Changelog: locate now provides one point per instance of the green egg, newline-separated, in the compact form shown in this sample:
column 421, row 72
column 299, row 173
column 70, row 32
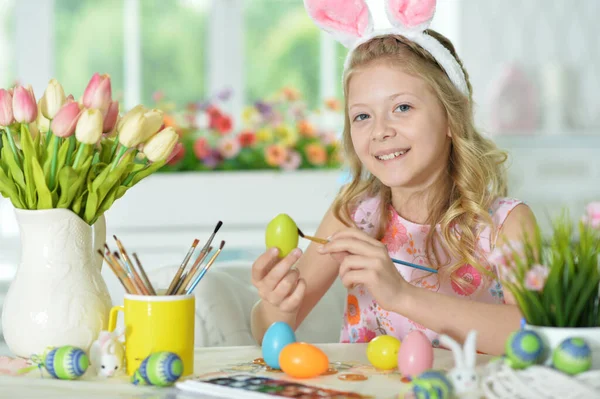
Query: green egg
column 524, row 348
column 161, row 369
column 282, row 233
column 572, row 356
column 66, row 362
column 432, row 384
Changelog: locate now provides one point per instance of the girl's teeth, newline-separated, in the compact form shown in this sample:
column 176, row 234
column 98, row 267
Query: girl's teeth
column 391, row 156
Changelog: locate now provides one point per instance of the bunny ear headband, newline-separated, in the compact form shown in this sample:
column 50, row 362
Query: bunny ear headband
column 350, row 22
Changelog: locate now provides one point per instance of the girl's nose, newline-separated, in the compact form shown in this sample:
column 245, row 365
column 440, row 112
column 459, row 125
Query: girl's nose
column 383, row 131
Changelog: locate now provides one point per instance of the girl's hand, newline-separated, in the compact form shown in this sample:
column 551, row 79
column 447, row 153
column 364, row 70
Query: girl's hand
column 277, row 282
column 367, row 262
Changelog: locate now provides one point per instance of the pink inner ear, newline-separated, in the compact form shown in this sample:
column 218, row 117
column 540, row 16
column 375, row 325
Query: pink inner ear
column 347, row 16
column 412, row 12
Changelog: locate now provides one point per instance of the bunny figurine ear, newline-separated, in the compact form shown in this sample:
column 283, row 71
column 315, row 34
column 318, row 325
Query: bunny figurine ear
column 456, row 350
column 410, row 15
column 346, row 20
column 470, row 349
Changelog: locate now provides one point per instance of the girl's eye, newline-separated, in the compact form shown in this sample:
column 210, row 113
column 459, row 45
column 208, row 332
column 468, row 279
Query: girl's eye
column 403, row 107
column 361, row 117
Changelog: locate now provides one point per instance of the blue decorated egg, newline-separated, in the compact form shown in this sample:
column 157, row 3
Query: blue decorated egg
column 137, row 379
column 161, row 369
column 572, row 356
column 432, row 384
column 66, row 362
column 277, row 337
column 524, row 348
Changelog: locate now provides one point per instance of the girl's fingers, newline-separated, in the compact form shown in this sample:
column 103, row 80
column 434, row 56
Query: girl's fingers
column 354, row 277
column 264, row 263
column 352, row 245
column 294, row 300
column 353, row 262
column 285, row 286
column 277, row 273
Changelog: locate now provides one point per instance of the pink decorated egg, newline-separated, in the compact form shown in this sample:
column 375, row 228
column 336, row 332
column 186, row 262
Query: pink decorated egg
column 415, row 355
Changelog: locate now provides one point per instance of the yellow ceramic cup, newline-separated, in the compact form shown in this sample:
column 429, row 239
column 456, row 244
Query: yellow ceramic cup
column 154, row 324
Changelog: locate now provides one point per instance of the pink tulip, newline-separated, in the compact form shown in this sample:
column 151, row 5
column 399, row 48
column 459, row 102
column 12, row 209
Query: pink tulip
column 98, row 93
column 65, row 121
column 6, row 110
column 24, row 105
column 110, row 119
column 592, row 216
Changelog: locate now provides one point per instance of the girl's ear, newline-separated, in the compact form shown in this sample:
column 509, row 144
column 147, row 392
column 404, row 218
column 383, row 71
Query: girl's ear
column 346, row 20
column 410, row 15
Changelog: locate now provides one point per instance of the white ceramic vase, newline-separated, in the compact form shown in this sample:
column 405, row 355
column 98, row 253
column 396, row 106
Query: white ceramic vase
column 58, row 296
column 553, row 336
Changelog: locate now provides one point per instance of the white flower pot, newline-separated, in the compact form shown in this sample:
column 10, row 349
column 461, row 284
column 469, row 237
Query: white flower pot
column 58, row 296
column 553, row 336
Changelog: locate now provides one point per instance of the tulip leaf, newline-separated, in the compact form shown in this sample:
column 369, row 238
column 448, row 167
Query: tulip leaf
column 102, row 185
column 44, row 194
column 28, row 156
column 13, row 168
column 9, row 190
column 141, row 174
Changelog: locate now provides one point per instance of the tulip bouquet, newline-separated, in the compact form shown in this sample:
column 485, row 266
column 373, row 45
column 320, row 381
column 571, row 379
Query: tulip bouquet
column 555, row 283
column 77, row 155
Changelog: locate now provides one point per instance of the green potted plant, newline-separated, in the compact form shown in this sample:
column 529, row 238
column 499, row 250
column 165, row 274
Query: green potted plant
column 555, row 281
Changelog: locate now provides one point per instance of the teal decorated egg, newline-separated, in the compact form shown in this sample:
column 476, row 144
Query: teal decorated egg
column 66, row 362
column 572, row 356
column 432, row 384
column 524, row 348
column 161, row 368
column 137, row 379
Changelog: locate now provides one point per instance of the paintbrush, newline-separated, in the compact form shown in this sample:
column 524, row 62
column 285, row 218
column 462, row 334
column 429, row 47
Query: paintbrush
column 124, row 273
column 144, row 275
column 128, row 261
column 121, row 276
column 311, row 238
column 203, row 272
column 135, row 279
column 182, row 267
column 398, row 261
column 185, row 280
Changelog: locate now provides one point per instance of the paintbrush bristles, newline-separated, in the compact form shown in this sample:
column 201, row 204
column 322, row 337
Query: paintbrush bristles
column 144, row 275
column 311, row 238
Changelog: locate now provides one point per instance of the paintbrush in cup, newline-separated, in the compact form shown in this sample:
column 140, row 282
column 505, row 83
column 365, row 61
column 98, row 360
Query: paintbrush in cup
column 185, row 280
column 177, row 277
column 137, row 281
column 311, row 238
column 119, row 274
column 133, row 287
column 203, row 272
column 144, row 275
column 145, row 290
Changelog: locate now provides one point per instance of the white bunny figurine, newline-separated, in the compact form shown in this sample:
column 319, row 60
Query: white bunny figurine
column 463, row 376
column 107, row 353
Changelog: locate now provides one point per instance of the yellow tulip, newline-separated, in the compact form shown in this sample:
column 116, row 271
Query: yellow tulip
column 52, row 100
column 138, row 125
column 89, row 126
column 161, row 145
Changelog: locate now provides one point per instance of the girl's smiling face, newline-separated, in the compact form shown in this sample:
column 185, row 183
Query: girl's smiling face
column 398, row 127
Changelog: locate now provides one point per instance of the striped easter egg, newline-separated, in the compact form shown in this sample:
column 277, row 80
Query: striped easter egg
column 572, row 356
column 161, row 368
column 137, row 379
column 66, row 362
column 432, row 384
column 524, row 348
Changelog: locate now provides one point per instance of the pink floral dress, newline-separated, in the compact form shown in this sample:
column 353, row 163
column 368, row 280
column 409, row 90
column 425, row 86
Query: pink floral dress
column 364, row 319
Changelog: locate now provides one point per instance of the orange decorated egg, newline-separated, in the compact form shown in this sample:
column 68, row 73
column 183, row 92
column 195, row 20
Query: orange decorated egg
column 302, row 360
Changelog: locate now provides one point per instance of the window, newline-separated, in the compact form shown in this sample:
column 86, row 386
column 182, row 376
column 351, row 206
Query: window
column 7, row 27
column 88, row 39
column 281, row 49
column 172, row 42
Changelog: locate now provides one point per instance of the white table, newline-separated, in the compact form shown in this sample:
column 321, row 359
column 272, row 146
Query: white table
column 209, row 360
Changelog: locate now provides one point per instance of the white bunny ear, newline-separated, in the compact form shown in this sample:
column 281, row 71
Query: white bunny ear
column 346, row 20
column 456, row 349
column 410, row 15
column 470, row 349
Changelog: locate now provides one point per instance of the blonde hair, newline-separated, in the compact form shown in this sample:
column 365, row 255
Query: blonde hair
column 475, row 176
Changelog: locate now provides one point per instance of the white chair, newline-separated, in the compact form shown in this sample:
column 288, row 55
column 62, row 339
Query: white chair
column 224, row 300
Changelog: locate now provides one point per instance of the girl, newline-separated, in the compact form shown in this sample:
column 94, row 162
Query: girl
column 427, row 188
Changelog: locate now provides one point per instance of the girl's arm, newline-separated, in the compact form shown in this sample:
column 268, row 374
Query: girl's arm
column 455, row 316
column 318, row 272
